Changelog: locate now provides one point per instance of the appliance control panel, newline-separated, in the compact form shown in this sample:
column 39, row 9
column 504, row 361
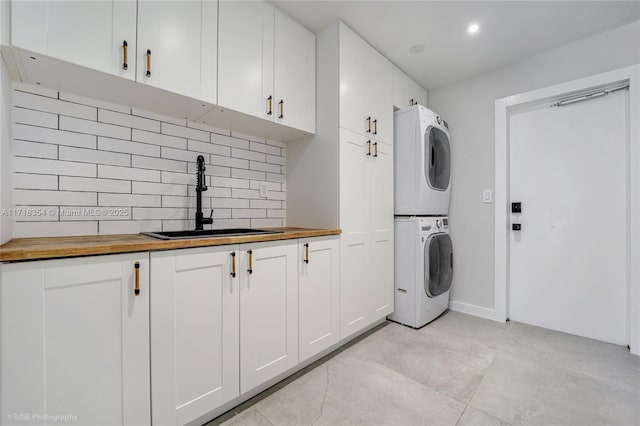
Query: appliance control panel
column 431, row 224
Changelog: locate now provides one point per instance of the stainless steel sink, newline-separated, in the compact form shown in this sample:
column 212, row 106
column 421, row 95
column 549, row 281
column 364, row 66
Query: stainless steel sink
column 207, row 233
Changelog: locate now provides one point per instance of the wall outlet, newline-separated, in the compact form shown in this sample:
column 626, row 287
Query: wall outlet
column 263, row 189
column 487, row 196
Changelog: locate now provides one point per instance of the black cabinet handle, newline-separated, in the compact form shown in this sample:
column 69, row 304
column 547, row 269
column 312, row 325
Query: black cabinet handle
column 233, row 264
column 125, row 55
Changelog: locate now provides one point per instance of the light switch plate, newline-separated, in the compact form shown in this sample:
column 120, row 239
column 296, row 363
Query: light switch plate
column 263, row 189
column 487, row 196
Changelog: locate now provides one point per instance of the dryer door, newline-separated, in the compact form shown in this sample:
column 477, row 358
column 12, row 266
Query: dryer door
column 437, row 158
column 438, row 264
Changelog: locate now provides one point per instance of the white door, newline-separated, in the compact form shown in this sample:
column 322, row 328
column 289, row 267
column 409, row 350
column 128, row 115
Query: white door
column 379, row 95
column 381, row 291
column 268, row 311
column 319, row 295
column 75, row 340
column 568, row 262
column 181, row 37
column 87, row 33
column 195, row 332
column 355, row 240
column 245, row 57
column 295, row 74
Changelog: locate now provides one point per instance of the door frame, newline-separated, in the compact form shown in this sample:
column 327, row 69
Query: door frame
column 503, row 108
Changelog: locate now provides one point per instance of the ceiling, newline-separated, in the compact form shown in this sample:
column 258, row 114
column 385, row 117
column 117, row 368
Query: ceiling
column 509, row 30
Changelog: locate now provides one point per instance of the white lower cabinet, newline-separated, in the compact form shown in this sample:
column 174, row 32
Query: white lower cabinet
column 195, row 302
column 319, row 295
column 268, row 311
column 75, row 341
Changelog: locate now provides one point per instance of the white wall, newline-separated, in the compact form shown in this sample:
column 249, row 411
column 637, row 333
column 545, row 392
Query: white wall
column 6, row 221
column 468, row 106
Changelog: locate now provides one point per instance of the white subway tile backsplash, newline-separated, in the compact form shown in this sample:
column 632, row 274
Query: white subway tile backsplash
column 158, row 117
column 50, row 105
column 68, row 183
column 236, row 163
column 279, row 144
column 128, row 147
column 36, row 213
column 266, row 223
column 158, row 164
column 159, row 213
column 53, row 167
column 70, row 97
column 185, row 132
column 27, row 197
column 262, row 147
column 248, row 174
column 159, row 188
column 158, row 139
column 266, row 204
column 34, row 149
column 136, row 200
column 31, row 181
column 83, row 155
column 128, row 120
column 229, row 141
column 245, row 193
column 264, row 167
column 53, row 136
column 34, row 118
column 209, row 148
column 248, row 155
column 54, row 229
column 96, row 167
column 130, row 226
column 94, row 128
column 128, row 173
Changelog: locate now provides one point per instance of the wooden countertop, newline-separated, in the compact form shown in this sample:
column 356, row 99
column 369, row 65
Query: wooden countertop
column 58, row 247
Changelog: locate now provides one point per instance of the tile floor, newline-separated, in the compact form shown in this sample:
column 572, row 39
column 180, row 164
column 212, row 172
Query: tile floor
column 459, row 370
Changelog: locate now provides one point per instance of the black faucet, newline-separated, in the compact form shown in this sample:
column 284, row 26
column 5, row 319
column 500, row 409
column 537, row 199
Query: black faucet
column 200, row 188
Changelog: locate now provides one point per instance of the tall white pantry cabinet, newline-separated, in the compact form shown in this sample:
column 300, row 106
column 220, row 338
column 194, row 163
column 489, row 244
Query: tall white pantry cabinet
column 343, row 176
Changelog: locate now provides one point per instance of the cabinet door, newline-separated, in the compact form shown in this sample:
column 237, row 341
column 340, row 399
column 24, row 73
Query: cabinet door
column 86, row 33
column 182, row 39
column 420, row 94
column 245, row 57
column 295, row 74
column 381, row 284
column 355, row 76
column 402, row 96
column 380, row 96
column 355, row 238
column 195, row 332
column 319, row 298
column 75, row 339
column 268, row 311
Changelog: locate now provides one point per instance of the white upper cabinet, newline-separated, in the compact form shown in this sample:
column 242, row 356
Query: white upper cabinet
column 295, row 74
column 92, row 34
column 366, row 88
column 407, row 92
column 177, row 46
column 266, row 64
column 194, row 332
column 75, row 339
column 245, row 57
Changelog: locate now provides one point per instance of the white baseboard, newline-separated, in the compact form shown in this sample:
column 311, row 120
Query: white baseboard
column 475, row 310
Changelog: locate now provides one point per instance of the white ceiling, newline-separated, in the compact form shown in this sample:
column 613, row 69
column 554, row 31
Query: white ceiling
column 509, row 30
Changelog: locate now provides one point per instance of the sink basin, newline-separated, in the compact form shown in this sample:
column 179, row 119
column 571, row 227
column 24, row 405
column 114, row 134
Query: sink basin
column 207, row 233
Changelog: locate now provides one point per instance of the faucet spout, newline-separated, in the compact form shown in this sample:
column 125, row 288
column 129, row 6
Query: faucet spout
column 200, row 188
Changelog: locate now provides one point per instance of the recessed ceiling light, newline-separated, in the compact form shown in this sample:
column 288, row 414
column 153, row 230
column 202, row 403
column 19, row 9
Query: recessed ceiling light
column 473, row 28
column 416, row 48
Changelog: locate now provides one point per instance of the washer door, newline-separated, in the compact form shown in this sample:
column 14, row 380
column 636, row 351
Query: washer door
column 437, row 158
column 438, row 264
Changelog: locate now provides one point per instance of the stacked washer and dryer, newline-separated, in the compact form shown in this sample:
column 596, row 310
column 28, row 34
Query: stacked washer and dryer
column 423, row 249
